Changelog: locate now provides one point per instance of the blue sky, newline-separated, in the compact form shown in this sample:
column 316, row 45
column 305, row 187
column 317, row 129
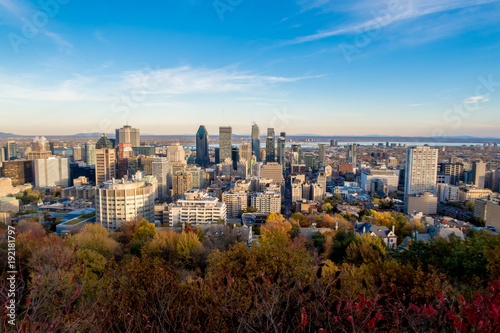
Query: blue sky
column 396, row 67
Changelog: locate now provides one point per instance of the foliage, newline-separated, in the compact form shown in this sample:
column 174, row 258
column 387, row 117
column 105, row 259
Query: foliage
column 145, row 231
column 273, row 217
column 283, row 284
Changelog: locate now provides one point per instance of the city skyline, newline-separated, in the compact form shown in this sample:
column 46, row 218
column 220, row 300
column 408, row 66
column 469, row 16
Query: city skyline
column 363, row 68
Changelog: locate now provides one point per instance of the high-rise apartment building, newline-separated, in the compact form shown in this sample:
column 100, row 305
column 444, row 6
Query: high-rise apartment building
column 202, row 157
column 235, row 202
column 454, row 170
column 479, row 173
column 119, row 201
column 225, row 142
column 270, row 146
column 51, row 172
column 105, row 165
column 256, row 142
column 181, row 182
column 127, row 134
column 421, row 170
column 269, row 202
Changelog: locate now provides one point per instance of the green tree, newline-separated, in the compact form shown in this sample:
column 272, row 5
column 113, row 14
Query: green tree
column 145, row 231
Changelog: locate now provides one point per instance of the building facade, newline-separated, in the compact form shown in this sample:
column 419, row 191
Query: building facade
column 117, row 202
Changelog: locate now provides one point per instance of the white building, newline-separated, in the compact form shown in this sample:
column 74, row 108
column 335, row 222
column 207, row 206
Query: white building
column 317, row 192
column 196, row 207
column 296, row 191
column 235, row 202
column 119, row 201
column 447, row 192
column 162, row 170
column 421, row 170
column 268, row 202
column 176, row 154
column 51, row 172
column 386, row 176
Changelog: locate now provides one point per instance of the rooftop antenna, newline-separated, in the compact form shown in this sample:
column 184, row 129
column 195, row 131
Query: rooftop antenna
column 223, row 121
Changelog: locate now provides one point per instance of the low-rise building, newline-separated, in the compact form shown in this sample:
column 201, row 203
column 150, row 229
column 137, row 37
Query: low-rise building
column 426, row 203
column 489, row 211
column 382, row 232
column 196, row 207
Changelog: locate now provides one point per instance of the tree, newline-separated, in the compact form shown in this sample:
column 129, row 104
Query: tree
column 188, row 249
column 96, row 238
column 249, row 209
column 298, row 218
column 273, row 217
column 366, row 249
column 145, row 231
column 477, row 221
column 336, row 246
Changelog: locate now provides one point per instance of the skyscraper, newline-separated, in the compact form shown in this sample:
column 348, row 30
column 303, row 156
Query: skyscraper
column 125, row 152
column 421, row 170
column 225, row 142
column 352, row 154
column 162, row 170
column 296, row 148
column 105, row 165
column 235, row 157
column 103, row 142
column 176, row 153
column 202, row 157
column 270, row 146
column 90, row 153
column 246, row 154
column 479, row 173
column 10, row 151
column 281, row 148
column 127, row 134
column 256, row 141
column 321, row 154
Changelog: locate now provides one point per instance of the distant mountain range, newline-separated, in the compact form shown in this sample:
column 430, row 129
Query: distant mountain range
column 375, row 137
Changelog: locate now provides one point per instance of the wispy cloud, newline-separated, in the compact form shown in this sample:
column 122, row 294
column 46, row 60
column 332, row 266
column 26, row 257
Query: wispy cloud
column 384, row 16
column 186, row 80
column 18, row 13
column 164, row 82
column 476, row 99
